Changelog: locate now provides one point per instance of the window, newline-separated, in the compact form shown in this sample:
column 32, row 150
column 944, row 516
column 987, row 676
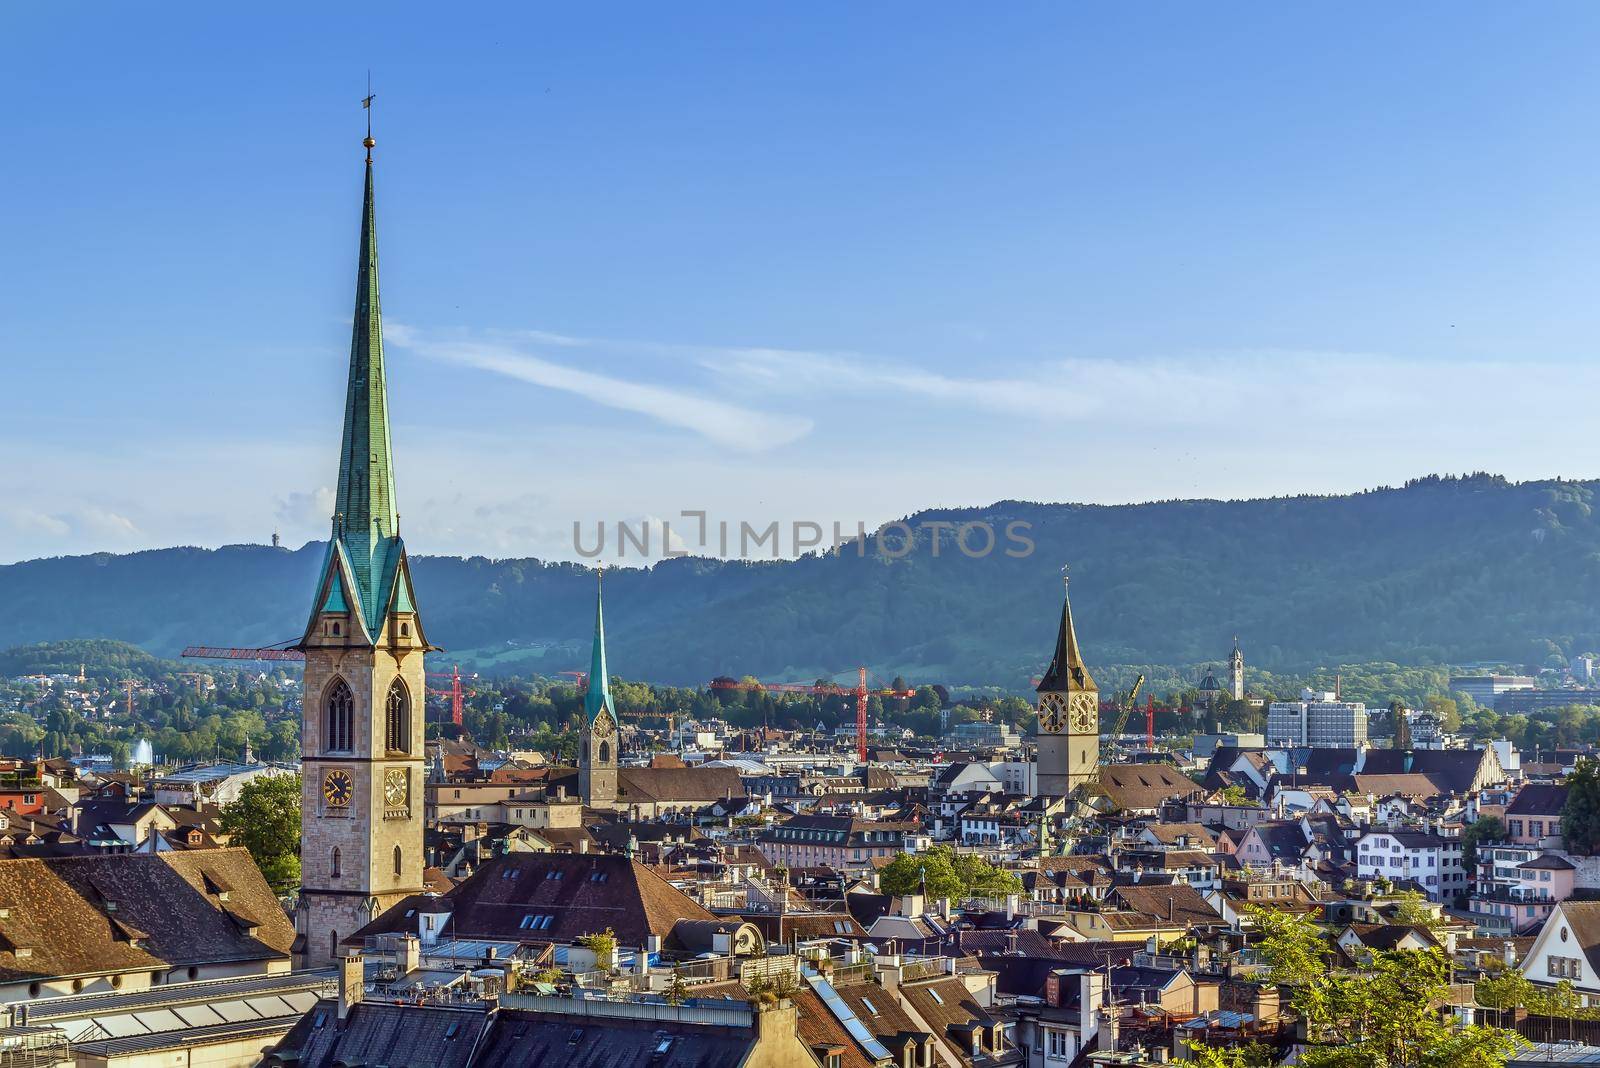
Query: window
column 397, row 721
column 341, row 705
column 405, row 630
column 873, row 1009
column 397, row 862
column 334, row 866
column 605, row 752
column 333, row 943
column 934, row 994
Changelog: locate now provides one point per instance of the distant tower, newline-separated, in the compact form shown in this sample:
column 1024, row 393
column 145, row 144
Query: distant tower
column 597, row 755
column 1069, row 716
column 361, row 750
column 1236, row 672
column 277, row 542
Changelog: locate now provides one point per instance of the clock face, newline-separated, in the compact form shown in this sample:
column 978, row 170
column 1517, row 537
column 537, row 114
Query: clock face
column 1085, row 714
column 602, row 724
column 1052, row 713
column 396, row 788
column 338, row 788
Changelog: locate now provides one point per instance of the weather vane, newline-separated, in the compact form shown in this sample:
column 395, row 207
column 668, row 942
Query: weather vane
column 366, row 104
column 1065, row 577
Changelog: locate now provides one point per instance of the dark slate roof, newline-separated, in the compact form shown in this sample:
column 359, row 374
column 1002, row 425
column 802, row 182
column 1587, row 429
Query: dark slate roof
column 1538, row 799
column 1551, row 861
column 520, row 1039
column 381, row 1033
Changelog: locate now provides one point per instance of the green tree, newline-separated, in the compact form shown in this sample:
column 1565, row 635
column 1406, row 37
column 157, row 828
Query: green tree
column 1448, row 711
column 1389, row 1015
column 1580, row 816
column 941, row 872
column 266, row 820
column 1483, row 829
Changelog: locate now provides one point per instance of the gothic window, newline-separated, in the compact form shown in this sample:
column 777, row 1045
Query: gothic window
column 605, row 752
column 336, row 630
column 341, row 718
column 397, row 721
column 333, row 944
column 397, row 861
column 335, row 862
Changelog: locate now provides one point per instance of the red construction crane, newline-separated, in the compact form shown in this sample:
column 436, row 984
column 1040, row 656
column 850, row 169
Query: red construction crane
column 825, row 689
column 456, row 694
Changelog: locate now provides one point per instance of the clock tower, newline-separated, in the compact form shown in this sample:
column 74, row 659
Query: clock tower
column 361, row 731
column 1069, row 717
column 597, row 755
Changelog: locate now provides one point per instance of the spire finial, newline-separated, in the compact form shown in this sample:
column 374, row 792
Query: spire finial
column 1066, row 576
column 366, row 104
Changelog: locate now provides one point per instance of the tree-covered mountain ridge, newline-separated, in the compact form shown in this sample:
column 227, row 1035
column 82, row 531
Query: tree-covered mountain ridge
column 1441, row 570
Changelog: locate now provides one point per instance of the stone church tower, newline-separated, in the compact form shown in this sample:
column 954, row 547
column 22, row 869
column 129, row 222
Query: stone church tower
column 597, row 752
column 1236, row 672
column 1069, row 717
column 361, row 734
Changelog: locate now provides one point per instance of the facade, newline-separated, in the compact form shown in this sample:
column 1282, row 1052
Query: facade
column 1069, row 717
column 1485, row 689
column 1567, row 949
column 838, row 842
column 982, row 735
column 1517, row 887
column 362, row 721
column 1430, row 860
column 1317, row 721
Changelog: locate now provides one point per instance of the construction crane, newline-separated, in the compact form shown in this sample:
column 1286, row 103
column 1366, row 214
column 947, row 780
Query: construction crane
column 457, row 695
column 1125, row 708
column 826, row 689
column 212, row 652
column 130, row 685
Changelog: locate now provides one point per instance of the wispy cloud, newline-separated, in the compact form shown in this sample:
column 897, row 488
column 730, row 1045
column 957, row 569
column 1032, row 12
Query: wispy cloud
column 724, row 423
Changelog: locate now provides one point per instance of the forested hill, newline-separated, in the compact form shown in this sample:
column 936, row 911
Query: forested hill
column 1442, row 570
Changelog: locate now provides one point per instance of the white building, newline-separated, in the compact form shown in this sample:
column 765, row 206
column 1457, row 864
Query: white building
column 1565, row 949
column 1430, row 860
column 1318, row 721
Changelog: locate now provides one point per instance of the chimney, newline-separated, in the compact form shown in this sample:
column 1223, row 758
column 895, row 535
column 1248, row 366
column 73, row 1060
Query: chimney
column 1011, row 906
column 1091, row 1008
column 352, row 983
column 777, row 1027
column 583, row 845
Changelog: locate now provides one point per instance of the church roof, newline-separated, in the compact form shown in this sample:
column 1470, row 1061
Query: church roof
column 1067, row 670
column 598, row 695
column 365, row 552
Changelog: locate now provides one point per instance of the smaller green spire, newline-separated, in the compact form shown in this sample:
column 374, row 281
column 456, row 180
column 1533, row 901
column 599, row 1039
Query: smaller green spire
column 598, row 695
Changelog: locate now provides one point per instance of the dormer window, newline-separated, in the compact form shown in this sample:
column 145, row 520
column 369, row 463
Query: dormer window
column 405, row 630
column 336, row 630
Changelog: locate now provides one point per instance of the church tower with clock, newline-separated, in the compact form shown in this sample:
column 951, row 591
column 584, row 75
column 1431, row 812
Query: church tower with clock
column 1069, row 717
column 361, row 733
column 597, row 754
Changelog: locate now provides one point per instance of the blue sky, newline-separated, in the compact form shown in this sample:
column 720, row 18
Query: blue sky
column 833, row 262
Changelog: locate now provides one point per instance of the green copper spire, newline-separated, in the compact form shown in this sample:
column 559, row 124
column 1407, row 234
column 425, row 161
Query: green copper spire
column 366, row 526
column 599, row 692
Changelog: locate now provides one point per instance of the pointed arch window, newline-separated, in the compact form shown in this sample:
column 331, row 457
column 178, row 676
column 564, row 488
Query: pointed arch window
column 397, row 862
column 397, row 719
column 340, row 720
column 605, row 752
column 335, row 862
